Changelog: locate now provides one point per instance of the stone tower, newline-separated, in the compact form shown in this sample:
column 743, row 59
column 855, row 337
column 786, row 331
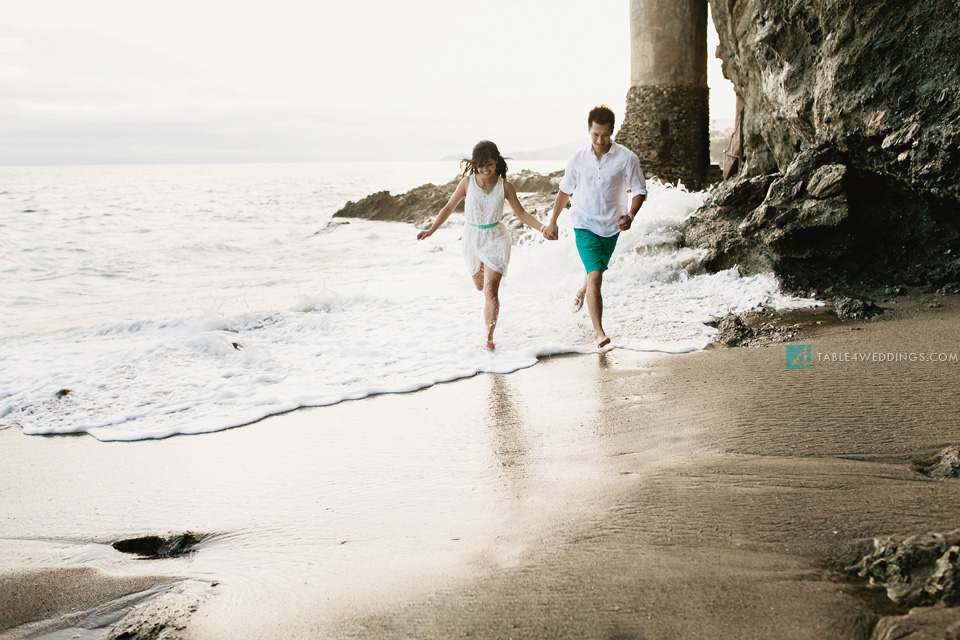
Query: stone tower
column 667, row 118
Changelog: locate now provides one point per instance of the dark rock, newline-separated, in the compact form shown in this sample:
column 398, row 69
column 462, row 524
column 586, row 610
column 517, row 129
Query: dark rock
column 917, row 571
column 749, row 193
column 827, row 181
column 854, row 309
column 63, row 392
column 950, row 288
column 159, row 547
column 944, row 274
column 331, row 225
column 754, row 328
column 945, row 464
column 413, row 206
column 860, row 128
column 424, row 202
column 927, row 623
column 532, row 182
column 733, row 331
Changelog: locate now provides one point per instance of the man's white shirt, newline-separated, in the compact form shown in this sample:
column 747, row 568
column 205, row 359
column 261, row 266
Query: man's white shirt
column 601, row 187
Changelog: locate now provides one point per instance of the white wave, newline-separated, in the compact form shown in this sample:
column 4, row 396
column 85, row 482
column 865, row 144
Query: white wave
column 220, row 338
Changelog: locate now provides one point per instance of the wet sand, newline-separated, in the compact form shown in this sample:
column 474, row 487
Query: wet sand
column 618, row 495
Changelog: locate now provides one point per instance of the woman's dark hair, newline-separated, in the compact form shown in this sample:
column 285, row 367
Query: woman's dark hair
column 483, row 152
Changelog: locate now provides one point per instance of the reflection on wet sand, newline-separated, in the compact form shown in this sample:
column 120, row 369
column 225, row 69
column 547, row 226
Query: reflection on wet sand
column 330, row 508
column 613, row 495
column 505, row 421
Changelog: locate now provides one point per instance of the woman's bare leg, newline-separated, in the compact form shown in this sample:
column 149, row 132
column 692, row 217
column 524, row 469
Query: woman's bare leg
column 491, row 305
column 478, row 278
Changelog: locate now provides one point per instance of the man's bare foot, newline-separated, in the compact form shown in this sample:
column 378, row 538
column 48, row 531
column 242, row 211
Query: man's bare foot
column 490, row 345
column 602, row 341
column 578, row 300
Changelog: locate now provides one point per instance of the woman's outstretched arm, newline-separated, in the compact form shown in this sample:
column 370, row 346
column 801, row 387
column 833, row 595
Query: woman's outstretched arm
column 456, row 198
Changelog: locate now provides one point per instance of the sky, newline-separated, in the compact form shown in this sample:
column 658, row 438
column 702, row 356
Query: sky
column 115, row 81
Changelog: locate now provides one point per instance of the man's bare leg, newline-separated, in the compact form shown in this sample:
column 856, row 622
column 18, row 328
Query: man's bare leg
column 491, row 306
column 578, row 300
column 595, row 306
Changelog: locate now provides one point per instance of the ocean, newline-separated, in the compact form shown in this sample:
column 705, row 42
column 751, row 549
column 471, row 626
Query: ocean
column 146, row 301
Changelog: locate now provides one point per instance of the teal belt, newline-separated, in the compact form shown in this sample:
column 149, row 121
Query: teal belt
column 483, row 226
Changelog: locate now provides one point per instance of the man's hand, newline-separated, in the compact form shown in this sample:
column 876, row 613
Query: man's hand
column 551, row 231
column 624, row 222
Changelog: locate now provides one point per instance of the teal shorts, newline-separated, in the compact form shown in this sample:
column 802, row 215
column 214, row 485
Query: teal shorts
column 595, row 251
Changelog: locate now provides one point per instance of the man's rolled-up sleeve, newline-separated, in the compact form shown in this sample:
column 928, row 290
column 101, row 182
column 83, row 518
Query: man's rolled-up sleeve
column 635, row 182
column 569, row 181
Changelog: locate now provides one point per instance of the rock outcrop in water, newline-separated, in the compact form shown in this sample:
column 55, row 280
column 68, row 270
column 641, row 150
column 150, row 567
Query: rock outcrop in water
column 424, row 202
column 850, row 167
column 160, row 546
column 412, row 206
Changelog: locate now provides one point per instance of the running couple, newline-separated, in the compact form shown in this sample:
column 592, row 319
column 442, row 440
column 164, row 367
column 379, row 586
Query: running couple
column 601, row 174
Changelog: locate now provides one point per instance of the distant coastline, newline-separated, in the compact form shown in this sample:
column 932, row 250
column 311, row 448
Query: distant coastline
column 718, row 142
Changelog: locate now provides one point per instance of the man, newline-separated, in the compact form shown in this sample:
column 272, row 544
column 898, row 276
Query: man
column 601, row 174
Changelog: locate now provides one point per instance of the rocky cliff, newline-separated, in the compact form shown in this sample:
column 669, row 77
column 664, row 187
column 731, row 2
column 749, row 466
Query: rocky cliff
column 850, row 166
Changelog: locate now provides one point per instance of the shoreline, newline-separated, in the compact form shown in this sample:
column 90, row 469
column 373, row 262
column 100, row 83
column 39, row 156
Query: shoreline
column 712, row 493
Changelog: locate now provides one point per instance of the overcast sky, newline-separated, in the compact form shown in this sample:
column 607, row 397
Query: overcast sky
column 111, row 81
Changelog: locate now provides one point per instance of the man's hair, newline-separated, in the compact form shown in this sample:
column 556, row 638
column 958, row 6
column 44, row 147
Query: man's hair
column 601, row 114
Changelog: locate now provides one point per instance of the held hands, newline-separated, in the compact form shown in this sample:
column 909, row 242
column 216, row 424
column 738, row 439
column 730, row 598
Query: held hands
column 551, row 231
column 624, row 222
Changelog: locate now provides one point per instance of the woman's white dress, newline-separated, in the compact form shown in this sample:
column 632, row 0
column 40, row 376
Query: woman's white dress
column 490, row 246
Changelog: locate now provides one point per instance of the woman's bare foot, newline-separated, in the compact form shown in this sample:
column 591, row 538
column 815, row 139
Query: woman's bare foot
column 578, row 300
column 490, row 345
column 602, row 341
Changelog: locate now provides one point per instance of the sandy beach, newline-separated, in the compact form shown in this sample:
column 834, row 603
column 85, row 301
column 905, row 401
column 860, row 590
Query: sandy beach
column 619, row 495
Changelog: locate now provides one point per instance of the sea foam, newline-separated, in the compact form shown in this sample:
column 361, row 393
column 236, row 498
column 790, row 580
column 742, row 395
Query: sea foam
column 265, row 318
